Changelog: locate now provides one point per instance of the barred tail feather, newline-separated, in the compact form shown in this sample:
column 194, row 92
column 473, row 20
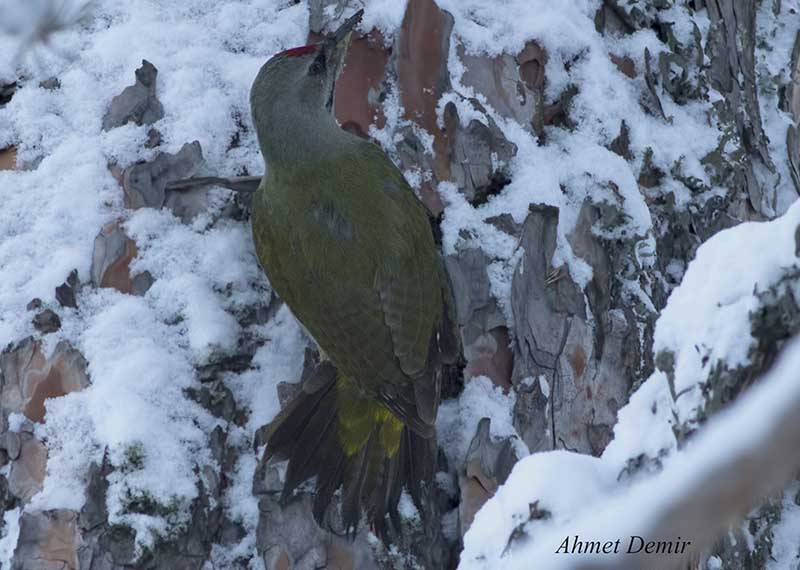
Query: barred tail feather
column 369, row 454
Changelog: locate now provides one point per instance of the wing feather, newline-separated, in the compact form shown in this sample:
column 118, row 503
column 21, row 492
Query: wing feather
column 370, row 289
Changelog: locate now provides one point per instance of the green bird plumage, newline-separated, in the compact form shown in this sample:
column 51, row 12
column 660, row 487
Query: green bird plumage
column 349, row 248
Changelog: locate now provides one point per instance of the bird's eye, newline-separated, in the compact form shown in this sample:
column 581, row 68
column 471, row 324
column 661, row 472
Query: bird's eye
column 317, row 67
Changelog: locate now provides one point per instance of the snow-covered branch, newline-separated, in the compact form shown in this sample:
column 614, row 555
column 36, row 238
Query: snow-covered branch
column 745, row 453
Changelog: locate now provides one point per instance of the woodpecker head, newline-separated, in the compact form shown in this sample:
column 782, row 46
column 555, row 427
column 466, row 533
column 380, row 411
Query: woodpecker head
column 300, row 82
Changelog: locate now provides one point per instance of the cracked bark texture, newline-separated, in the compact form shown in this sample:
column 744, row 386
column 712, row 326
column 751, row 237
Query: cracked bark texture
column 571, row 354
column 576, row 352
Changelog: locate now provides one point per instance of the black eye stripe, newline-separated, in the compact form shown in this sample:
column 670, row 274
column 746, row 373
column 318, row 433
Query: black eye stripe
column 318, row 65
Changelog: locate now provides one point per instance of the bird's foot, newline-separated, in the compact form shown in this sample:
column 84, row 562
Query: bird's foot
column 553, row 275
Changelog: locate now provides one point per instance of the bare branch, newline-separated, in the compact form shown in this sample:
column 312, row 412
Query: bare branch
column 245, row 184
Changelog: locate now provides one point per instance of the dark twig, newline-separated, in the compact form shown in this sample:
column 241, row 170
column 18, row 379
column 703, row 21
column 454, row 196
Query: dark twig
column 247, row 184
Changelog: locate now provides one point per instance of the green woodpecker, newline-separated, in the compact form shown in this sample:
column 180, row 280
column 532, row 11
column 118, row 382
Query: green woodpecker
column 349, row 248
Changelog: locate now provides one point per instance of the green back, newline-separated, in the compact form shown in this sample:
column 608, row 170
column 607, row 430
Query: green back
column 349, row 248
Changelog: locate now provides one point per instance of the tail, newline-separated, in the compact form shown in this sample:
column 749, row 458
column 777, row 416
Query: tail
column 335, row 433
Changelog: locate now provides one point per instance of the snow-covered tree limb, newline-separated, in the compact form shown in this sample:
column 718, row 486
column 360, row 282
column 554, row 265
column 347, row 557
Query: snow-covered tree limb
column 746, row 452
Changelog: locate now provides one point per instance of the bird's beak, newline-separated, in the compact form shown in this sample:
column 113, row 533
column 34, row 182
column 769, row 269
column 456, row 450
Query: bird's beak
column 342, row 35
column 335, row 47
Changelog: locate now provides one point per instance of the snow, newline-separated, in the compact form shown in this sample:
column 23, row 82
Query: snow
column 643, row 425
column 48, row 226
column 279, row 360
column 407, row 509
column 585, row 500
column 137, row 400
column 142, row 352
column 8, row 542
column 505, row 26
column 558, row 482
column 706, row 321
column 240, row 507
column 785, row 552
column 780, row 32
column 386, row 15
column 579, row 166
column 190, row 265
column 16, row 420
column 458, row 418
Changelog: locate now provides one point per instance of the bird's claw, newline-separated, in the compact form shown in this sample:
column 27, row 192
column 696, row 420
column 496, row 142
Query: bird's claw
column 553, row 275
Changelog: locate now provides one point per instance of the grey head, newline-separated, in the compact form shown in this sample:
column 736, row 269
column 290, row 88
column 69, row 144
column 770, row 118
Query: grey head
column 292, row 97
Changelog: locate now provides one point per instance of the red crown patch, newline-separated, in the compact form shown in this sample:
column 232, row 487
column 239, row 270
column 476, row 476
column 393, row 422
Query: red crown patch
column 294, row 52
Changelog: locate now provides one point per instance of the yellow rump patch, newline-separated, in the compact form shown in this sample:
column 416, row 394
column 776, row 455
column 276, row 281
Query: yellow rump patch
column 359, row 416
